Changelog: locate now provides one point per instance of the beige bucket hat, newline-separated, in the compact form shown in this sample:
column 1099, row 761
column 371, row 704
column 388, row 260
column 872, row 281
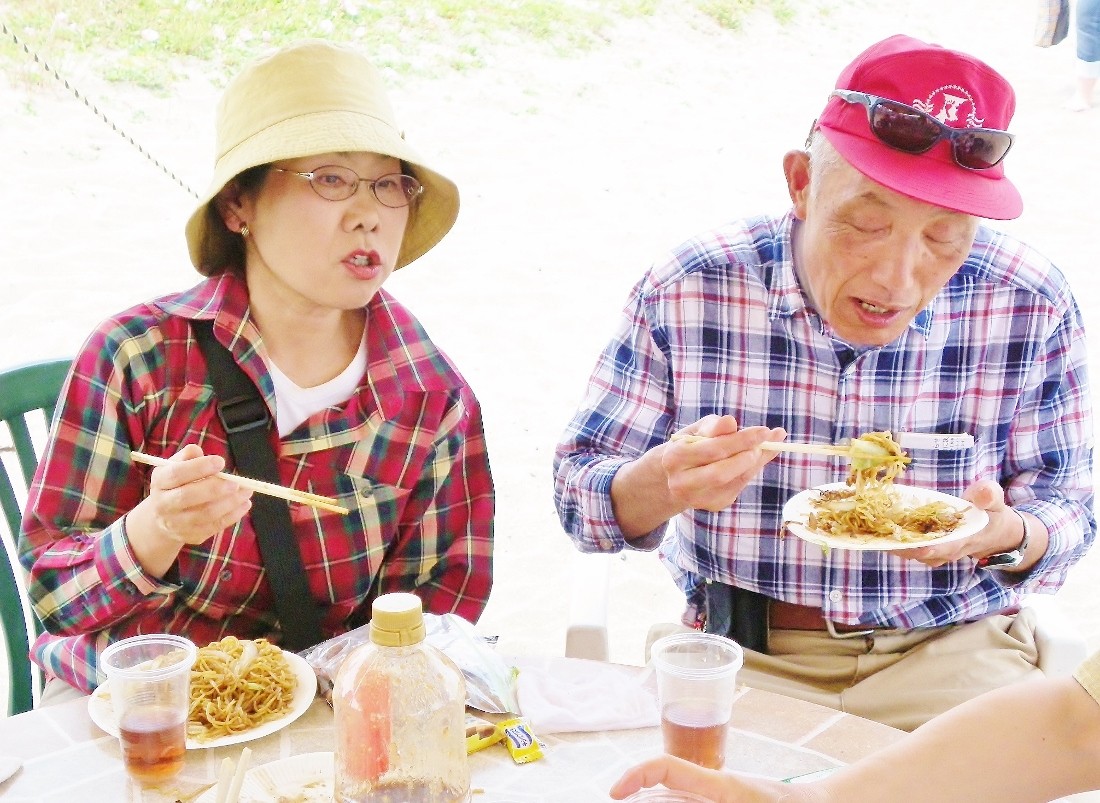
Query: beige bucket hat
column 314, row 97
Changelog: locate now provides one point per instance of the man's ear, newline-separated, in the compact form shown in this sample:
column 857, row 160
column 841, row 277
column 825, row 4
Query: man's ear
column 796, row 167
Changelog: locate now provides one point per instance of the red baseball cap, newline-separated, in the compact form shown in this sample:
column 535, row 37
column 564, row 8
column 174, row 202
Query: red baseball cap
column 955, row 88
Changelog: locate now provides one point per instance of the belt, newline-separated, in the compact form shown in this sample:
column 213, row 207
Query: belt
column 788, row 616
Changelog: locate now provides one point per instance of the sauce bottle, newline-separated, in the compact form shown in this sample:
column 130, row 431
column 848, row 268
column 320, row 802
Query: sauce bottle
column 400, row 708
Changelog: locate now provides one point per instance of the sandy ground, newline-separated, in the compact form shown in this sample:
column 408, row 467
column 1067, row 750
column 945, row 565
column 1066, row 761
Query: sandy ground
column 575, row 173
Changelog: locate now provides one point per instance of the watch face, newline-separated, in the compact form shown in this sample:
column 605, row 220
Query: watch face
column 1002, row 560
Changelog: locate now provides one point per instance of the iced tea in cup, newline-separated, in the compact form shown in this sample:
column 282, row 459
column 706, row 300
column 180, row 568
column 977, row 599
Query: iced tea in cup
column 696, row 679
column 150, row 679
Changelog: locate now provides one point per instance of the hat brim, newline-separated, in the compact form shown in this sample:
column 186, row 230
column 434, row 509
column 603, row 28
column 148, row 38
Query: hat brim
column 931, row 177
column 332, row 132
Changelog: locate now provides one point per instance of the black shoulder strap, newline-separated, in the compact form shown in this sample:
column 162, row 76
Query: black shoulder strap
column 244, row 414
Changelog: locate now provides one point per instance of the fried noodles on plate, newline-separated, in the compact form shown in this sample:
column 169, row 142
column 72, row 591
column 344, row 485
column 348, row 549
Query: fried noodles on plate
column 236, row 685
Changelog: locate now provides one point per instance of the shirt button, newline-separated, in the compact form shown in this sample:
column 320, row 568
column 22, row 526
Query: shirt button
column 227, row 574
column 835, row 595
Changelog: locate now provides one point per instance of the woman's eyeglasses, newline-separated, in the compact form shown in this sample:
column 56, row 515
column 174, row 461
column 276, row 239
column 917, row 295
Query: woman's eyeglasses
column 908, row 129
column 336, row 183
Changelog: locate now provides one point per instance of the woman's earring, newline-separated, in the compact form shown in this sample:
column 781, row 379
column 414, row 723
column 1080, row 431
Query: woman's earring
column 243, row 230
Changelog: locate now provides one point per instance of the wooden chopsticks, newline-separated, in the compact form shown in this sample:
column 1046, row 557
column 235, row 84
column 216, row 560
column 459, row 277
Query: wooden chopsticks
column 259, row 486
column 780, row 446
column 230, row 780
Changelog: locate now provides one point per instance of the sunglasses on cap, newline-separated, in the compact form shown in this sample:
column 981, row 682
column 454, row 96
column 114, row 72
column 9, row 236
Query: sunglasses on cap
column 908, row 129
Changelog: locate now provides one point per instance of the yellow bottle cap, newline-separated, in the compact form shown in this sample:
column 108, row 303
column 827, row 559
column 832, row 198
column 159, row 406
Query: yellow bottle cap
column 397, row 620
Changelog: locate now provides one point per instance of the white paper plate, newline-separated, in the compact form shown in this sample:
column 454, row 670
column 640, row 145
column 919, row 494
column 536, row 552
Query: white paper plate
column 798, row 508
column 307, row 778
column 103, row 714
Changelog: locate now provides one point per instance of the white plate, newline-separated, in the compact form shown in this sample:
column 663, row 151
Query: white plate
column 103, row 715
column 307, row 778
column 798, row 508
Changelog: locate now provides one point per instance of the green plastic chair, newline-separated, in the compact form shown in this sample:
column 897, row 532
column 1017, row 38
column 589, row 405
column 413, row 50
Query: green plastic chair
column 26, row 391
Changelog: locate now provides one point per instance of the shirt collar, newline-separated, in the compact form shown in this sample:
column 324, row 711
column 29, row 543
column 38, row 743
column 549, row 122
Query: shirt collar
column 400, row 356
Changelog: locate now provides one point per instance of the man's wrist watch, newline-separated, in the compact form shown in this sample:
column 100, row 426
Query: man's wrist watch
column 1009, row 560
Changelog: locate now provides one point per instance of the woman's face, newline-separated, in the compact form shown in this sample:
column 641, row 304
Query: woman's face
column 305, row 248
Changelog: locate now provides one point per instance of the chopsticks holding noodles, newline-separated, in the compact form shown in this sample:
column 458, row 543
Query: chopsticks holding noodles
column 259, row 486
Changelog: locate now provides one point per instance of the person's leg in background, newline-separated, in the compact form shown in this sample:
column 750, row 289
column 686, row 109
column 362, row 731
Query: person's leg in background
column 1088, row 54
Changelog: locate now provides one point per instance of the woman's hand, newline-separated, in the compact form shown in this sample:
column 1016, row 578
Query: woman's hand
column 187, row 504
column 719, row 787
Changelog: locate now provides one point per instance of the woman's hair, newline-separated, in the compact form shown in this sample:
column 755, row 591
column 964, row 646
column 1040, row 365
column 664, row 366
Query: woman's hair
column 409, row 170
column 225, row 249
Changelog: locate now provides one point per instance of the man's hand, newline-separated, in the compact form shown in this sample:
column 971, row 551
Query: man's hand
column 187, row 504
column 708, row 474
column 1003, row 533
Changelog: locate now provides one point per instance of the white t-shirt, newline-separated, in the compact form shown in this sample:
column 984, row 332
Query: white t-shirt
column 294, row 404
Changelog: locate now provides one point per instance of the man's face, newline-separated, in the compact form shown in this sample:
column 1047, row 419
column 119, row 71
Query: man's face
column 872, row 258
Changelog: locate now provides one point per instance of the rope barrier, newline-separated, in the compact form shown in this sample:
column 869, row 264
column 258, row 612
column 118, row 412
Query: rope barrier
column 80, row 96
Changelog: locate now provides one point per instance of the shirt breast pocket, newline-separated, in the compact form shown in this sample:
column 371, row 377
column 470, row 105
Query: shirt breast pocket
column 349, row 549
column 949, row 471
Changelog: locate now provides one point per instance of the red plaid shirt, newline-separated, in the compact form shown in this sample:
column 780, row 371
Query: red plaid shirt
column 406, row 453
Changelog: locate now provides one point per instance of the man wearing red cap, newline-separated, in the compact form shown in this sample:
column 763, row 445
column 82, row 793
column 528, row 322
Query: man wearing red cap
column 879, row 302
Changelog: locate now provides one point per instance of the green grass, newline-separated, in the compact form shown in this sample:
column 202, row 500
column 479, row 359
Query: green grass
column 151, row 43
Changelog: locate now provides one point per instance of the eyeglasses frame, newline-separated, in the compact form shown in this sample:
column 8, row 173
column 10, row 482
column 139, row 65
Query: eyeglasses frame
column 310, row 174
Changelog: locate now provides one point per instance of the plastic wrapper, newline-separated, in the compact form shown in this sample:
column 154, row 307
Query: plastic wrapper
column 490, row 681
column 480, row 733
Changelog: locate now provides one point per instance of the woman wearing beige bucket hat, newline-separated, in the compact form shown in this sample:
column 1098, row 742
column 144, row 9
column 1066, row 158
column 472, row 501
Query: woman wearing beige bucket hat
column 316, row 199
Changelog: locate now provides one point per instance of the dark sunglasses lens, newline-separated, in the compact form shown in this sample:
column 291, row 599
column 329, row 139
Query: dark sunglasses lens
column 980, row 150
column 903, row 127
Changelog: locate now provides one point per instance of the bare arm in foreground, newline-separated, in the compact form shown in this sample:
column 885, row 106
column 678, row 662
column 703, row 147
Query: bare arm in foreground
column 1028, row 742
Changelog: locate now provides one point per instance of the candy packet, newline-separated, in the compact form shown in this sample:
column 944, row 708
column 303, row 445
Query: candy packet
column 521, row 742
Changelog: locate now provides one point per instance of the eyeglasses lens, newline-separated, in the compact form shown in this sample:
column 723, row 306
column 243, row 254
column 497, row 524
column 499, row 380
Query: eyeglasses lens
column 396, row 190
column 980, row 150
column 904, row 128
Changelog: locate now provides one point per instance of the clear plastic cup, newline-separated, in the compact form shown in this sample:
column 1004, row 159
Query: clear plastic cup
column 150, row 679
column 696, row 681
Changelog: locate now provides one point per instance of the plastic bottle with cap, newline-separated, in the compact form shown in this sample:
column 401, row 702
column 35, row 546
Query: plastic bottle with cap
column 400, row 708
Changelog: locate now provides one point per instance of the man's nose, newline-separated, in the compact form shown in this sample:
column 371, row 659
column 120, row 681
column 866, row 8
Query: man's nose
column 898, row 263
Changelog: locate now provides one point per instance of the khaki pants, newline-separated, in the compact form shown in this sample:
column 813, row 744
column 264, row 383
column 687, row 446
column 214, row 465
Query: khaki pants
column 57, row 691
column 900, row 678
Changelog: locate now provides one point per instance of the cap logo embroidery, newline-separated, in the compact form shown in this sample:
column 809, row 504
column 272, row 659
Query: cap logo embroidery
column 948, row 103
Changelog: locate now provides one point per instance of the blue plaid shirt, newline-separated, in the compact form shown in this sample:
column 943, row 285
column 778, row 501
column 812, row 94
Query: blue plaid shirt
column 721, row 326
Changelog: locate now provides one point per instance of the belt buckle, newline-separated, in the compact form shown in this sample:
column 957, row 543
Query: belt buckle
column 854, row 634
